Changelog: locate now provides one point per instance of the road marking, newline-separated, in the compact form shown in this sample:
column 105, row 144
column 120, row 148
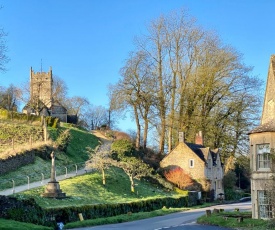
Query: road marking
column 174, row 226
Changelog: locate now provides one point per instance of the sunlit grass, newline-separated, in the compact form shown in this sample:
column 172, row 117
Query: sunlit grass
column 88, row 189
column 231, row 222
column 76, row 153
column 16, row 225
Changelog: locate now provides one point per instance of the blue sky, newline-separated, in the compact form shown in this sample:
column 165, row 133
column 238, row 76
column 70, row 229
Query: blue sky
column 87, row 41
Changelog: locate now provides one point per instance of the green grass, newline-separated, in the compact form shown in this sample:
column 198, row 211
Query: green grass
column 76, row 154
column 123, row 218
column 231, row 222
column 88, row 189
column 16, row 225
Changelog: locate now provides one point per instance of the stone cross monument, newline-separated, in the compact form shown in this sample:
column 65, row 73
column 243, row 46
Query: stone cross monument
column 52, row 189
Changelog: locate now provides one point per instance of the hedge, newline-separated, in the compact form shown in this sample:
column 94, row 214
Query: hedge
column 28, row 211
column 70, row 214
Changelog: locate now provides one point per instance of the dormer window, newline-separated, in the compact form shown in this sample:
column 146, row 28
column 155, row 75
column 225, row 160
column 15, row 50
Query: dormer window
column 263, row 156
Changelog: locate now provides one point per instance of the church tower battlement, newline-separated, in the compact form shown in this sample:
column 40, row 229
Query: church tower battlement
column 41, row 87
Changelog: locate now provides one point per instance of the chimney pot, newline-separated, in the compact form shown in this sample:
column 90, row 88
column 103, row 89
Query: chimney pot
column 199, row 138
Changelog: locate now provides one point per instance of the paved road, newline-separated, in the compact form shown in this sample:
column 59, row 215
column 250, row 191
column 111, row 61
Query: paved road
column 182, row 220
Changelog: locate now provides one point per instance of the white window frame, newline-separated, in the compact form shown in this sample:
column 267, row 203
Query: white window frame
column 191, row 163
column 264, row 206
column 263, row 156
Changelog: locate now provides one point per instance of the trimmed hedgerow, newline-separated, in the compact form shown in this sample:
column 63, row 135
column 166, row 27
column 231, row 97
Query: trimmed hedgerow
column 70, row 214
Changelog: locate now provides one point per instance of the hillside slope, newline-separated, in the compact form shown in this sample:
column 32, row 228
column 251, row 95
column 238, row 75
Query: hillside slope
column 76, row 154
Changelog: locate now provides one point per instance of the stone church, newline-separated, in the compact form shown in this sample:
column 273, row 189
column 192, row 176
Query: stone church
column 262, row 145
column 41, row 101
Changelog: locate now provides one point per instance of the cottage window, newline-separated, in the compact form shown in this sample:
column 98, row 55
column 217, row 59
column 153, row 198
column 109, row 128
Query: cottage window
column 191, row 163
column 263, row 156
column 265, row 208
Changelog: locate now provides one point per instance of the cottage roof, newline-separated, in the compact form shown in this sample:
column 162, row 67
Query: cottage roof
column 266, row 127
column 198, row 149
column 202, row 152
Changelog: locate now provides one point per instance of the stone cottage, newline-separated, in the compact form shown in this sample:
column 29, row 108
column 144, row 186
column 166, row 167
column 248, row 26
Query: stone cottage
column 262, row 142
column 200, row 162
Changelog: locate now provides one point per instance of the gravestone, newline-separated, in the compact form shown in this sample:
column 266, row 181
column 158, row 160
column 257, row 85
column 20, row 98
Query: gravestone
column 52, row 189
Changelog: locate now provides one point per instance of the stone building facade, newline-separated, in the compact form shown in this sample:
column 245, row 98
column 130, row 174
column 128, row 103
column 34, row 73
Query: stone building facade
column 41, row 100
column 262, row 142
column 41, row 87
column 201, row 163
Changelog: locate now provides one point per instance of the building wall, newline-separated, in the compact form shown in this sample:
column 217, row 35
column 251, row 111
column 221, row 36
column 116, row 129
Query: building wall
column 260, row 179
column 180, row 156
column 269, row 100
column 41, row 87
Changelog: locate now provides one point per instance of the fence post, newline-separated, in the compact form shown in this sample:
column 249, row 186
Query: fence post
column 13, row 186
column 42, row 180
column 66, row 169
column 28, row 182
column 75, row 169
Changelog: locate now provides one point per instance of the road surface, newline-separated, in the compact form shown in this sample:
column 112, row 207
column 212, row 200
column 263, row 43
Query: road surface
column 183, row 220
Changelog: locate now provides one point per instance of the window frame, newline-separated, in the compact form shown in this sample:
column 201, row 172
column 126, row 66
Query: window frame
column 191, row 163
column 264, row 205
column 263, row 159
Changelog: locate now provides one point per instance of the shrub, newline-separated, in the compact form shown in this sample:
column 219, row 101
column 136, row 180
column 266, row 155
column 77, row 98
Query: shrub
column 179, row 177
column 122, row 148
column 63, row 140
column 229, row 180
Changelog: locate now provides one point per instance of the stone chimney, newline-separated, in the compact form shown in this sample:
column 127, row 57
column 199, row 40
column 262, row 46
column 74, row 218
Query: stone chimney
column 181, row 137
column 199, row 138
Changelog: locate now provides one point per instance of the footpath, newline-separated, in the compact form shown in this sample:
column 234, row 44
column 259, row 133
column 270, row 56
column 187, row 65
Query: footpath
column 36, row 184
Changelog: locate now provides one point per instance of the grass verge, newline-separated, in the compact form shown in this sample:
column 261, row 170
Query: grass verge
column 219, row 219
column 16, row 225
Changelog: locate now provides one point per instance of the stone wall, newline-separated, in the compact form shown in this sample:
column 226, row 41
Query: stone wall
column 14, row 162
column 25, row 158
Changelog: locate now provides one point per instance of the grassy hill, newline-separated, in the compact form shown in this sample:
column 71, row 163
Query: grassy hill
column 88, row 189
column 80, row 190
column 76, row 154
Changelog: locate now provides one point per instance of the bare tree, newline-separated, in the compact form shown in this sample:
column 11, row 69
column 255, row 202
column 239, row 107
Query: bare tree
column 10, row 97
column 59, row 90
column 135, row 169
column 77, row 106
column 100, row 160
column 3, row 50
column 96, row 116
column 192, row 82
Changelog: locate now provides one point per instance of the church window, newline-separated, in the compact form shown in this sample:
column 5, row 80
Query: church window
column 263, row 156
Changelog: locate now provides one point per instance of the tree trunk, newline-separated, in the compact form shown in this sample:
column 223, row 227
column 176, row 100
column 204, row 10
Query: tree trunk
column 138, row 127
column 132, row 183
column 103, row 177
column 172, row 113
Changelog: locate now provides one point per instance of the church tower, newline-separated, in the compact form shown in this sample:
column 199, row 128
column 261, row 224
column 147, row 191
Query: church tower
column 41, row 87
column 268, row 113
